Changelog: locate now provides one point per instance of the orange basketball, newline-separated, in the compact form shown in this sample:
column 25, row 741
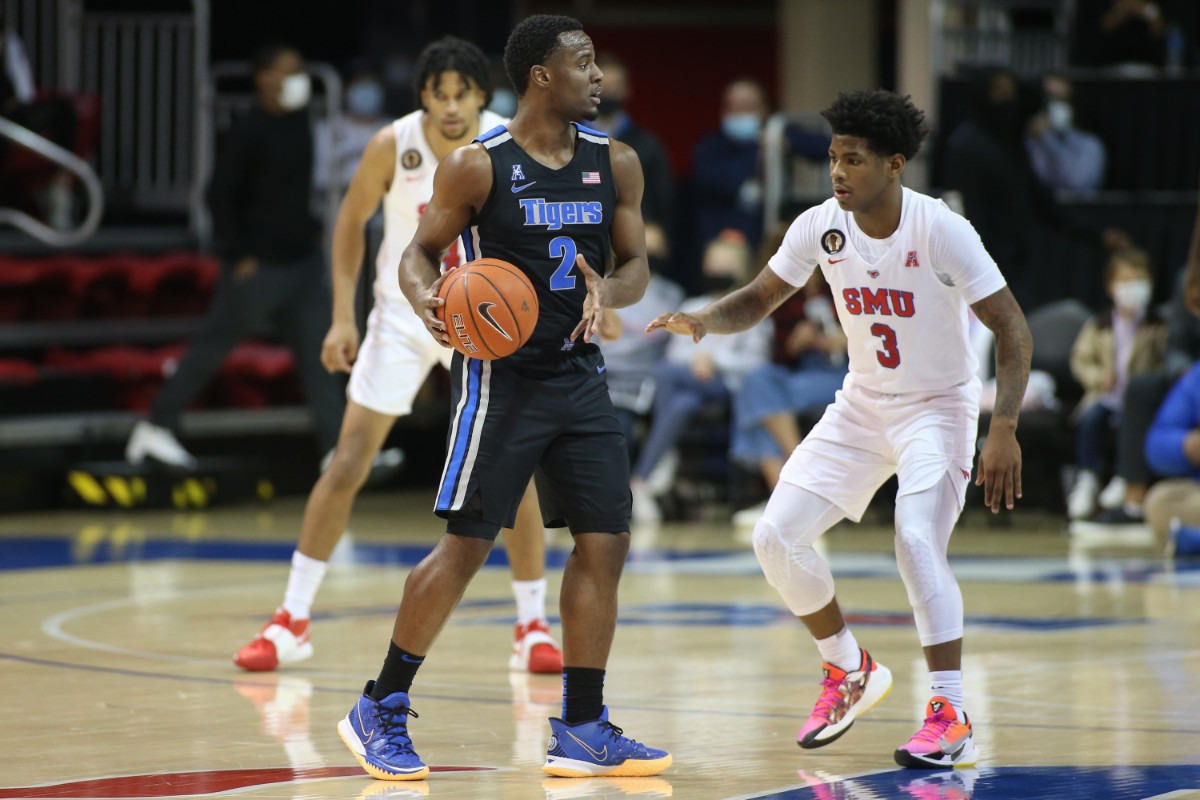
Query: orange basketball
column 491, row 308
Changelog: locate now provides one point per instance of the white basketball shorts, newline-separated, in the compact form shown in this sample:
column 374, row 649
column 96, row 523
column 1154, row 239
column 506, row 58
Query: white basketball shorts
column 865, row 437
column 394, row 360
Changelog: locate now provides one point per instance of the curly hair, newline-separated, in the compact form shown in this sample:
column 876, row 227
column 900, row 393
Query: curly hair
column 890, row 123
column 451, row 54
column 532, row 42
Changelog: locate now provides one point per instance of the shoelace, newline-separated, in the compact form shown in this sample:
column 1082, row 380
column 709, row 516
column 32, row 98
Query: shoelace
column 933, row 730
column 831, row 694
column 617, row 734
column 395, row 731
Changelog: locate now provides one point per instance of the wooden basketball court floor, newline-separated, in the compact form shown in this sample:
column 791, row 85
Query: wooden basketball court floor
column 116, row 630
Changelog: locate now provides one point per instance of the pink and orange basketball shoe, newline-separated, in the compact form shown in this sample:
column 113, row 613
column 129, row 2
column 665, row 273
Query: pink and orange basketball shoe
column 944, row 741
column 844, row 695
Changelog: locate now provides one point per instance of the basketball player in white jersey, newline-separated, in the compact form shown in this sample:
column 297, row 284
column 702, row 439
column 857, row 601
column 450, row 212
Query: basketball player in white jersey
column 454, row 85
column 904, row 270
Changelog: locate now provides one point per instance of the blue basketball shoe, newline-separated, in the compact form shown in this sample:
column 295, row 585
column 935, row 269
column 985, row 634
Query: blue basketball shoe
column 598, row 747
column 376, row 731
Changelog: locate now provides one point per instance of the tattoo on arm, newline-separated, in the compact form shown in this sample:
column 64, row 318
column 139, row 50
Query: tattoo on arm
column 745, row 308
column 1014, row 350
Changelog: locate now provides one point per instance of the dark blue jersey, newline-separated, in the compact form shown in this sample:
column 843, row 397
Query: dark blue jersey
column 540, row 218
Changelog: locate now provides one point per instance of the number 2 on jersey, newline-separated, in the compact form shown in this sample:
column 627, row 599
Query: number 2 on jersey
column 563, row 247
column 889, row 356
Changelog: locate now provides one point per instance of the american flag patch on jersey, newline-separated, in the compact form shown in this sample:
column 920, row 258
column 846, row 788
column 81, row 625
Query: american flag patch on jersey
column 591, row 177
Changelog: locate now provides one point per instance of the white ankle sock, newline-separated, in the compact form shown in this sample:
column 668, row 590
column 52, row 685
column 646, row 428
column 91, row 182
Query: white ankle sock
column 303, row 583
column 841, row 650
column 531, row 600
column 948, row 684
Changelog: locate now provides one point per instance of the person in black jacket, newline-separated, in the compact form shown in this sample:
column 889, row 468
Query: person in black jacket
column 986, row 164
column 270, row 249
column 658, row 203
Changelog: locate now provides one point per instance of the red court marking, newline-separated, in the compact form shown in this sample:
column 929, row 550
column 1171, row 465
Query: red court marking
column 177, row 784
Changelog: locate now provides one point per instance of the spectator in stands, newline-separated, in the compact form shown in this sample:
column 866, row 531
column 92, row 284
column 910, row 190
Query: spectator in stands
column 807, row 367
column 1131, row 32
column 1064, row 157
column 1173, row 451
column 362, row 116
column 696, row 375
column 633, row 357
column 47, row 194
column 727, row 167
column 270, row 249
column 988, row 169
column 658, row 202
column 1130, row 339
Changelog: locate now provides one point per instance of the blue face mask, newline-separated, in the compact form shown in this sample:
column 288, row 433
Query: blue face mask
column 741, row 127
column 365, row 99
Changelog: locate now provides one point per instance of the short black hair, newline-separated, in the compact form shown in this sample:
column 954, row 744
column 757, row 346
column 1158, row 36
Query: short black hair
column 266, row 55
column 890, row 123
column 451, row 54
column 532, row 42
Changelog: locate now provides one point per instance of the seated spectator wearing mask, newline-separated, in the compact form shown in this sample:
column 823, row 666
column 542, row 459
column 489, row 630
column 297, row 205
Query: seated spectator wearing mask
column 1064, row 157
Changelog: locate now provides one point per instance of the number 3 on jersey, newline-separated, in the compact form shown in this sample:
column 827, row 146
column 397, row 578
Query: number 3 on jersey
column 889, row 356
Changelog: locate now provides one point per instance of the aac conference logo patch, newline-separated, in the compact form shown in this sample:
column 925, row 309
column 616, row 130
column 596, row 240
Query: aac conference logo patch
column 832, row 241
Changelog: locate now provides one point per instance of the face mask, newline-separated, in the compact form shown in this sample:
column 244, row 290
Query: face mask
column 365, row 99
column 295, row 92
column 504, row 103
column 718, row 284
column 1059, row 114
column 741, row 127
column 610, row 108
column 1131, row 295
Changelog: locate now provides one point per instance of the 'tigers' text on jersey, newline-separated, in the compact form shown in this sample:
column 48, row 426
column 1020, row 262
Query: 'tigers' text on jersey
column 553, row 215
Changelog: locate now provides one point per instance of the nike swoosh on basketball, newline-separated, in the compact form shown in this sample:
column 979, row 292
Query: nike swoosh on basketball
column 837, row 260
column 599, row 755
column 485, row 311
column 522, row 187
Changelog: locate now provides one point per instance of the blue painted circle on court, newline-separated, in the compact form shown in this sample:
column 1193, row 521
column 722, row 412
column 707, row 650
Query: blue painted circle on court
column 1003, row 783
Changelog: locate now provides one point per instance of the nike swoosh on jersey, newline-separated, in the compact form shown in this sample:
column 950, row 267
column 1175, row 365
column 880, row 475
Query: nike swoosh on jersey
column 485, row 311
column 837, row 260
column 522, row 187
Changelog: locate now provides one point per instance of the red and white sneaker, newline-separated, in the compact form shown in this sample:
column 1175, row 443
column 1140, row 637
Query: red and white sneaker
column 943, row 741
column 534, row 649
column 844, row 695
column 283, row 640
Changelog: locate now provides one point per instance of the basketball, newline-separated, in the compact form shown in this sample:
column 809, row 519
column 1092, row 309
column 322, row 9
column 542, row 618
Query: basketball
column 491, row 308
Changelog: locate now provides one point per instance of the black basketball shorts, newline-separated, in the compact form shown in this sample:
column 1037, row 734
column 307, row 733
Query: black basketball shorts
column 544, row 413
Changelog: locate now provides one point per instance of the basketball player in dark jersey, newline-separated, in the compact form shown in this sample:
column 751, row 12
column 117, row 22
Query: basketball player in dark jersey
column 562, row 202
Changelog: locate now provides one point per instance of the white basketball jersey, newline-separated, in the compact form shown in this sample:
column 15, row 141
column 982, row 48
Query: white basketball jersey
column 405, row 201
column 905, row 315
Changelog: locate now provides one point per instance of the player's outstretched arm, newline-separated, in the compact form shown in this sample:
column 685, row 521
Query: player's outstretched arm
column 460, row 187
column 371, row 180
column 1000, row 461
column 736, row 311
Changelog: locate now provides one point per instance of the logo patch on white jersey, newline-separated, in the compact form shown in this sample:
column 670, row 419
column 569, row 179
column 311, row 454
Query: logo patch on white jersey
column 410, row 158
column 874, row 273
column 832, row 241
column 911, row 259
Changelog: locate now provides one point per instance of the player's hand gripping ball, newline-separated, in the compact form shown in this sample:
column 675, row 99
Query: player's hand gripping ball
column 491, row 308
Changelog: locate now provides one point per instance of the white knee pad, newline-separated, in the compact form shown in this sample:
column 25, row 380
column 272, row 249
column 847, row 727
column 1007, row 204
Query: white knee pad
column 924, row 522
column 920, row 568
column 793, row 567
